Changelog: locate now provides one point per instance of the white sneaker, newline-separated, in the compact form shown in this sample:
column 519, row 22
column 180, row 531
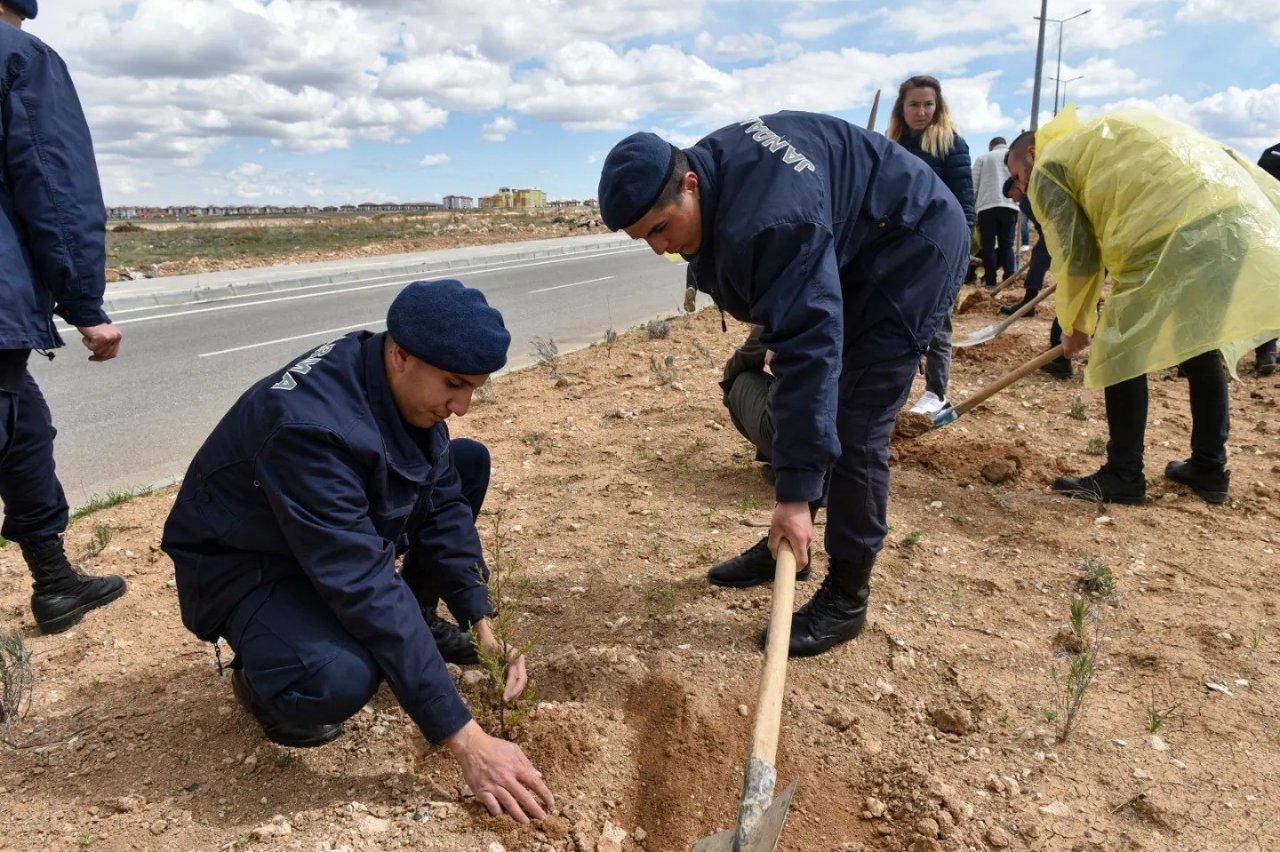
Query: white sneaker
column 930, row 403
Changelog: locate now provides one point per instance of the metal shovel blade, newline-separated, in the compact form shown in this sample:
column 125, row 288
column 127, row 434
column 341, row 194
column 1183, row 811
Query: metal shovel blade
column 765, row 836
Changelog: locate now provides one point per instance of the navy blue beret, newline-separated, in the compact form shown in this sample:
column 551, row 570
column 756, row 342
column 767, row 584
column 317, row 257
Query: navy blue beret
column 25, row 8
column 633, row 176
column 450, row 326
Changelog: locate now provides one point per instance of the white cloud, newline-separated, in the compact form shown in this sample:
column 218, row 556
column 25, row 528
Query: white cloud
column 1246, row 119
column 1264, row 12
column 434, row 160
column 497, row 130
column 736, row 47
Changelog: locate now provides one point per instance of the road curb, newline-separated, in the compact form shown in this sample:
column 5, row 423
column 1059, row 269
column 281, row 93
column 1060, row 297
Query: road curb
column 221, row 292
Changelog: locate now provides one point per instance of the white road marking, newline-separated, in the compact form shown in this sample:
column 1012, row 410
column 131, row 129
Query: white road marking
column 574, row 284
column 397, row 279
column 368, row 324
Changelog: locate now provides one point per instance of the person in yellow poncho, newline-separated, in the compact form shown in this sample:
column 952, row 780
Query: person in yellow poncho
column 1190, row 233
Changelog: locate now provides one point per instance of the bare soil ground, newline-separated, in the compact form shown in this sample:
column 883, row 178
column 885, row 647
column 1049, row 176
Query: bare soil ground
column 617, row 488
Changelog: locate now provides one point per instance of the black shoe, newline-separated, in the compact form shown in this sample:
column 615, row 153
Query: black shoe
column 753, row 567
column 454, row 643
column 1266, row 365
column 281, row 732
column 1103, row 487
column 835, row 614
column 1210, row 485
column 768, row 474
column 61, row 592
column 1010, row 310
column 1059, row 368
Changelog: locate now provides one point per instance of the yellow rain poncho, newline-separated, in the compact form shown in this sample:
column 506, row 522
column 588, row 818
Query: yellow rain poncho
column 1188, row 230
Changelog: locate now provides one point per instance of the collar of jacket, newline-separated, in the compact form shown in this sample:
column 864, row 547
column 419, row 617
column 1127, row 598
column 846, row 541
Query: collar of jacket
column 405, row 452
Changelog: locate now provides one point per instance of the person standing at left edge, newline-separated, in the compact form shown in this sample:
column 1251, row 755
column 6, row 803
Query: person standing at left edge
column 52, row 261
column 848, row 250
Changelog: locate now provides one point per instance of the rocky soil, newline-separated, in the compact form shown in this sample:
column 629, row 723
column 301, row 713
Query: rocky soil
column 618, row 479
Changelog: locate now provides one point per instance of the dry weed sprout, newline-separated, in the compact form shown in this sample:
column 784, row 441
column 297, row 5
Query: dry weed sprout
column 16, row 678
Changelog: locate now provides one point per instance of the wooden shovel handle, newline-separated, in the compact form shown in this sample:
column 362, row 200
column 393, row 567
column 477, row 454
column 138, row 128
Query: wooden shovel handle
column 1009, row 378
column 764, row 741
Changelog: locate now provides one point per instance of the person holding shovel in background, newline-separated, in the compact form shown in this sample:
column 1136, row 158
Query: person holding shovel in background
column 286, row 530
column 849, row 251
column 1190, row 233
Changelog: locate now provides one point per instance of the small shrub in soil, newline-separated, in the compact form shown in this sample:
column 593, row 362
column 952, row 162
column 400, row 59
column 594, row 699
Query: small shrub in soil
column 1096, row 578
column 546, row 350
column 507, row 592
column 1071, row 685
column 15, row 678
column 658, row 329
column 1077, row 411
column 1097, row 447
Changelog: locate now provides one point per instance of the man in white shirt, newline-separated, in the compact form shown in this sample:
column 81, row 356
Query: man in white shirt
column 997, row 215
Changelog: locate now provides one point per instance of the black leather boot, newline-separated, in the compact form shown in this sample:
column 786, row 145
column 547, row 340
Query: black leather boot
column 835, row 614
column 753, row 567
column 1105, row 486
column 1211, row 485
column 454, row 643
column 61, row 593
column 281, row 731
column 1010, row 310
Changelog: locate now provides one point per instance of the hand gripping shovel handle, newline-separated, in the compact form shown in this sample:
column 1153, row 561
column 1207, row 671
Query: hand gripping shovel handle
column 949, row 414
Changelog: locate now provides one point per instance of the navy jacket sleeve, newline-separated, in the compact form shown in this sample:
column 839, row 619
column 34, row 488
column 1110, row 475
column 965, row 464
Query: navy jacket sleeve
column 54, row 179
column 797, row 297
column 316, row 491
column 957, row 174
column 447, row 537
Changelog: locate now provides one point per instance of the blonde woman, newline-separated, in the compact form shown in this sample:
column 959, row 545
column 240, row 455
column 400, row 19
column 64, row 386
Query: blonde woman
column 921, row 123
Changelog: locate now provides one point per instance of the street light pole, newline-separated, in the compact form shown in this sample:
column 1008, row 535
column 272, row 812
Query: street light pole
column 1060, row 22
column 1035, row 88
column 1064, row 83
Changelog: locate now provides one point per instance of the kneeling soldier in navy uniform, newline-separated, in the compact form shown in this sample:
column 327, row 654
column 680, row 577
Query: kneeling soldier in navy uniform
column 286, row 531
column 849, row 250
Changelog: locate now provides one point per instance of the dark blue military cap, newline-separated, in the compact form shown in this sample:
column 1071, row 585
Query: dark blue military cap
column 450, row 326
column 25, row 8
column 632, row 179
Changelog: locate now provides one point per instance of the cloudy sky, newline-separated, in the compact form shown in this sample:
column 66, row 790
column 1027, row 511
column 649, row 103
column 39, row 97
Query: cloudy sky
column 344, row 101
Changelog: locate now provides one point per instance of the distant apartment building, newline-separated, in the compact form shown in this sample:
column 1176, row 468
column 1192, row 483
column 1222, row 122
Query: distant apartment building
column 507, row 198
column 459, row 202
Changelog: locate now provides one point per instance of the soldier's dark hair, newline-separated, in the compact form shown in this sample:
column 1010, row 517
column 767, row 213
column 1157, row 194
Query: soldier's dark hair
column 671, row 191
column 1020, row 145
column 995, row 143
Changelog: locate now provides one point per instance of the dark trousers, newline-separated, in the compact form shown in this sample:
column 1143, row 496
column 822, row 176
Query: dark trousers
column 35, row 508
column 1036, row 269
column 996, row 226
column 751, row 410
column 1266, row 352
column 858, row 501
column 299, row 660
column 1210, row 417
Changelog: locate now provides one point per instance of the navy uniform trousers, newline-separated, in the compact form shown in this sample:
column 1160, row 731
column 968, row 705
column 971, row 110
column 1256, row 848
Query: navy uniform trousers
column 298, row 659
column 35, row 508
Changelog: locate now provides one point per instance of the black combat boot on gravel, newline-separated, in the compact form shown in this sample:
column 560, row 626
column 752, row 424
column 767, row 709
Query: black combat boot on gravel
column 61, row 593
column 1010, row 310
column 1059, row 368
column 1211, row 485
column 753, row 567
column 281, row 731
column 1105, row 486
column 454, row 643
column 835, row 614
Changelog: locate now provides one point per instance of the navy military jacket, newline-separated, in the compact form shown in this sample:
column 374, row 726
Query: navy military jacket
column 52, row 219
column 812, row 228
column 313, row 473
column 955, row 169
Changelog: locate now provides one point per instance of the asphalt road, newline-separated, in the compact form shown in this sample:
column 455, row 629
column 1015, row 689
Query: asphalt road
column 137, row 420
